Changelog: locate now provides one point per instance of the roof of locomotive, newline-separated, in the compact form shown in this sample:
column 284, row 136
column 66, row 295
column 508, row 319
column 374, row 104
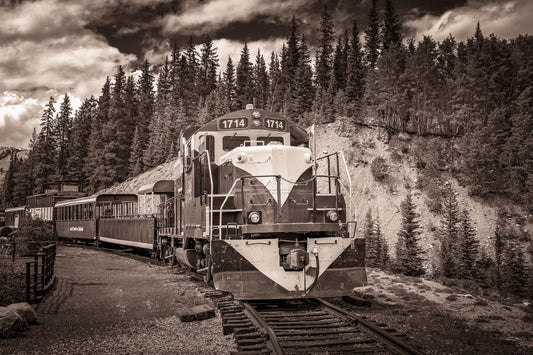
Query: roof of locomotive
column 158, row 187
column 298, row 133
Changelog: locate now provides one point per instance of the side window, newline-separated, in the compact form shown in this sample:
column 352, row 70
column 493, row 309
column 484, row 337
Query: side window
column 232, row 142
column 208, row 143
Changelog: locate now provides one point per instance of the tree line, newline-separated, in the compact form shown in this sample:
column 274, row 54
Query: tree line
column 478, row 91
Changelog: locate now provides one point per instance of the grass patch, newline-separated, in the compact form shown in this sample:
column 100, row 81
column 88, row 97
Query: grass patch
column 480, row 302
column 12, row 282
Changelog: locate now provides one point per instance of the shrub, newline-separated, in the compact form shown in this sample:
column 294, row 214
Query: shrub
column 379, row 169
column 32, row 234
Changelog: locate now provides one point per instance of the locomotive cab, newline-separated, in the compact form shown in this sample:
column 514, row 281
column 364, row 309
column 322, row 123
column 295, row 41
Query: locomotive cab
column 258, row 216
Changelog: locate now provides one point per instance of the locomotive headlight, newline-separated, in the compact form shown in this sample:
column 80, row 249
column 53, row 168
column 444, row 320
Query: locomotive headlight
column 256, row 122
column 254, row 217
column 256, row 114
column 332, row 216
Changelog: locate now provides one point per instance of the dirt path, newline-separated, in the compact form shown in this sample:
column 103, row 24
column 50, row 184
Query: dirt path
column 106, row 304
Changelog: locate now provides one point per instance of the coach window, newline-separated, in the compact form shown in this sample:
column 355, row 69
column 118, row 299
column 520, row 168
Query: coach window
column 232, row 142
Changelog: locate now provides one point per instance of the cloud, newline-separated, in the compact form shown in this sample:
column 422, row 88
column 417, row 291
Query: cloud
column 506, row 19
column 47, row 51
column 230, row 48
column 18, row 116
column 208, row 16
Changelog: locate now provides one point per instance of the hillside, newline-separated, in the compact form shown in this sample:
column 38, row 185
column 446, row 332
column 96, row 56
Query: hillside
column 5, row 157
column 361, row 145
column 132, row 185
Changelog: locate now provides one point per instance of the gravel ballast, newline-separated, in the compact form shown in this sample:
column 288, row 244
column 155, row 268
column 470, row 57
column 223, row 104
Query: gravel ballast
column 103, row 303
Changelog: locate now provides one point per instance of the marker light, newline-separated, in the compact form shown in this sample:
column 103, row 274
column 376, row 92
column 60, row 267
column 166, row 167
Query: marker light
column 332, row 216
column 241, row 157
column 254, row 217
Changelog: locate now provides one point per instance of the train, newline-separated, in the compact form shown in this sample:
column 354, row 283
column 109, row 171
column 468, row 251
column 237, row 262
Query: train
column 250, row 207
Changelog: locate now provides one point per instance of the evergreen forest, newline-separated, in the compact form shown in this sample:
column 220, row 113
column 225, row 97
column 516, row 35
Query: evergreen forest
column 477, row 94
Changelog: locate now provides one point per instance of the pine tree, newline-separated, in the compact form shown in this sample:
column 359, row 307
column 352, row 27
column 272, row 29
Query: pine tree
column 229, row 83
column 9, row 181
column 95, row 168
column 449, row 235
column 136, row 165
column 117, row 133
column 392, row 29
column 79, row 145
column 154, row 151
column 324, row 65
column 293, row 51
column 244, row 81
column 383, row 258
column 340, row 65
column 275, row 102
column 371, row 247
column 207, row 73
column 261, row 83
column 469, row 252
column 355, row 80
column 190, row 86
column 303, row 93
column 372, row 37
column 62, row 133
column 499, row 246
column 45, row 148
column 147, row 115
column 408, row 252
column 514, row 269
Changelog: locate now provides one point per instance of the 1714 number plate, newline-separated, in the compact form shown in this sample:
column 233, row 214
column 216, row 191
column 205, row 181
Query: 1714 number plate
column 233, row 123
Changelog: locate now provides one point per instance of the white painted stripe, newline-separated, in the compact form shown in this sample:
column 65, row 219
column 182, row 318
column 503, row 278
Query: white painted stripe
column 288, row 162
column 263, row 254
column 127, row 242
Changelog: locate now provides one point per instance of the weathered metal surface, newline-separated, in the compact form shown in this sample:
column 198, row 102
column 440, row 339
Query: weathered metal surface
column 234, row 273
column 128, row 231
column 76, row 229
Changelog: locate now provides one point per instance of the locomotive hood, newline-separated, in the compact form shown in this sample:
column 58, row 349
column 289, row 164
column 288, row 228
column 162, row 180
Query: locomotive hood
column 271, row 160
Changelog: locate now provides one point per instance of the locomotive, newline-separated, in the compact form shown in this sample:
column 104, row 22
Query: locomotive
column 252, row 212
column 250, row 207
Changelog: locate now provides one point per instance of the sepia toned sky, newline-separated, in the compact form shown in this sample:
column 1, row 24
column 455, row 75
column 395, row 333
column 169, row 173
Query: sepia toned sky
column 52, row 47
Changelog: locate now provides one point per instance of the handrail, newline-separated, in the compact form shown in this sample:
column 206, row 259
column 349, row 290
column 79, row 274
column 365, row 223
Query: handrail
column 220, row 211
column 352, row 204
column 209, row 227
column 337, row 178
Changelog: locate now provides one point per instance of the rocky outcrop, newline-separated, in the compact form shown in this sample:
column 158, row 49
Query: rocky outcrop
column 16, row 317
column 10, row 321
column 24, row 310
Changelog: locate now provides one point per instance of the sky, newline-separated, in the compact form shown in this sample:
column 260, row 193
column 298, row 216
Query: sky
column 52, row 47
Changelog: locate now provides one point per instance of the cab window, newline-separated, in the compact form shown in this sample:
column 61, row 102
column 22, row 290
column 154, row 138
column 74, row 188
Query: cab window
column 267, row 140
column 232, row 142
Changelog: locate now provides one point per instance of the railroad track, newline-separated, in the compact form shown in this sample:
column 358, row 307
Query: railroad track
column 312, row 326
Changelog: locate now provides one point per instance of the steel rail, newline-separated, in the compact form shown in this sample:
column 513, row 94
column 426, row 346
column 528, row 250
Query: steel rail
column 271, row 340
column 390, row 341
